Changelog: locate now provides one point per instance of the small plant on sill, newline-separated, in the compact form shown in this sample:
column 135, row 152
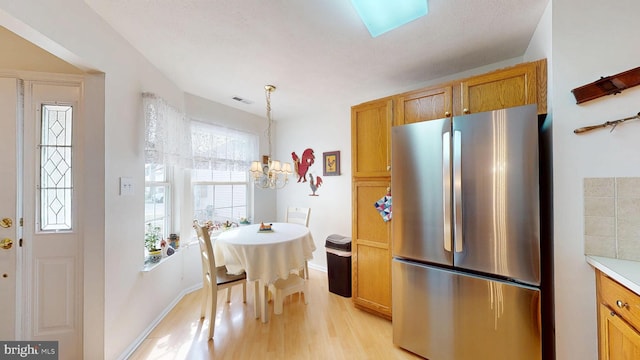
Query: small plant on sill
column 152, row 238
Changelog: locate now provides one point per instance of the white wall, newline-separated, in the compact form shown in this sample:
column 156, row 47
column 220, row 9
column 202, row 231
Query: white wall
column 330, row 130
column 590, row 39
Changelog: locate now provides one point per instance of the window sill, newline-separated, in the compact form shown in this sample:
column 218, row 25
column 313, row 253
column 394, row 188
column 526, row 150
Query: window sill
column 150, row 266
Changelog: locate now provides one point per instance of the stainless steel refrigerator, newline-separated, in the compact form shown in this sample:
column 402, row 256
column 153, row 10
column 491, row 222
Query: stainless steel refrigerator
column 469, row 247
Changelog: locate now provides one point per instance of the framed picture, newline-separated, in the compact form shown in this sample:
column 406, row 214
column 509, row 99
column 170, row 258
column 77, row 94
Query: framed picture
column 331, row 163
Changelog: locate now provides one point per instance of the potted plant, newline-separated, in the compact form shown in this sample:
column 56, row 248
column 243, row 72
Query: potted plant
column 151, row 243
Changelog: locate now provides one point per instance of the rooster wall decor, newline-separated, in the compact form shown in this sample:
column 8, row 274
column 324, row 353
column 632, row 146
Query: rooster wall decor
column 314, row 184
column 301, row 166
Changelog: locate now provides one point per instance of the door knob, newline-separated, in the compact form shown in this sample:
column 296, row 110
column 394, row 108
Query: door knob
column 6, row 244
column 621, row 304
column 6, row 223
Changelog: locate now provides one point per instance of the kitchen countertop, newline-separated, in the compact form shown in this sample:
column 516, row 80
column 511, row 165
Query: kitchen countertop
column 626, row 272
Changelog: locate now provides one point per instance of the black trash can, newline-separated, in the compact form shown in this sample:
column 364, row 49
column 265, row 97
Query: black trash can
column 338, row 249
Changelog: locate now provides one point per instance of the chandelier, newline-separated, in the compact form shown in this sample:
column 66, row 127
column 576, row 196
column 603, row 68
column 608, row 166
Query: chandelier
column 272, row 174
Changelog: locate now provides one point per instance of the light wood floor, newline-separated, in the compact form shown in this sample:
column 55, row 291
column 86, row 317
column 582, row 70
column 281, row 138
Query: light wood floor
column 329, row 327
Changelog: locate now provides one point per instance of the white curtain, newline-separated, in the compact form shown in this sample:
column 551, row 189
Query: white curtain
column 222, row 149
column 167, row 133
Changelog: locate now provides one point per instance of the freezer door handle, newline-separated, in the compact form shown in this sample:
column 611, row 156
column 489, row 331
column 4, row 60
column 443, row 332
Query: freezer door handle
column 446, row 189
column 457, row 190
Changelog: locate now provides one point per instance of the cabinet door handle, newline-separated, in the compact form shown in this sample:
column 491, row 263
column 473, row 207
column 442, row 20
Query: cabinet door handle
column 621, row 304
column 613, row 313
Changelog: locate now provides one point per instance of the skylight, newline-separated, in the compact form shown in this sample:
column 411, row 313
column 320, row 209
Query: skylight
column 381, row 16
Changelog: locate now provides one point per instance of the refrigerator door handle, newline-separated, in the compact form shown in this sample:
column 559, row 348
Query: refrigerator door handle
column 457, row 190
column 446, row 189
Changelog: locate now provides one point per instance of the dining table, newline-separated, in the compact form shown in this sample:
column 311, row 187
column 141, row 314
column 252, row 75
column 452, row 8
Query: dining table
column 265, row 256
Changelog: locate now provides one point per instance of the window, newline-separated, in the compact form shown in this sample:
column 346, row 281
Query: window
column 167, row 146
column 219, row 177
column 218, row 158
column 55, row 168
column 220, row 195
column 157, row 196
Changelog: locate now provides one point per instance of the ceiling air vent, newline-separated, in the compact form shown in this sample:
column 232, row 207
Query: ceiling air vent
column 244, row 101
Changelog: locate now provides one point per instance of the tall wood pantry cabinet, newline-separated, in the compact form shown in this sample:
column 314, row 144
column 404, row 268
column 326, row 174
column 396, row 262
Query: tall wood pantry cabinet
column 371, row 239
column 371, row 124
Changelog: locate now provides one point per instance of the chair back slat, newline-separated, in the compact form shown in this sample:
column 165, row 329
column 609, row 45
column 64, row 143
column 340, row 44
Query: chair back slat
column 298, row 215
column 206, row 252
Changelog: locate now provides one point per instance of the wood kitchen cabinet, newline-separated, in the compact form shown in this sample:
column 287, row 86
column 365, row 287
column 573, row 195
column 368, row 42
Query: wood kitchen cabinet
column 618, row 320
column 371, row 249
column 522, row 84
column 424, row 104
column 371, row 238
column 371, row 138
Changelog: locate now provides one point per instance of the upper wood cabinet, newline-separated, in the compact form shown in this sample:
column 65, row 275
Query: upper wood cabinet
column 618, row 320
column 424, row 104
column 522, row 84
column 371, row 138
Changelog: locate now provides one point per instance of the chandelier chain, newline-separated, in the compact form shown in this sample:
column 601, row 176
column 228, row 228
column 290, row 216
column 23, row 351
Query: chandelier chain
column 273, row 174
column 268, row 90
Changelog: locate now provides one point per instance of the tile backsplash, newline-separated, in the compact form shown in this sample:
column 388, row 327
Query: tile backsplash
column 612, row 217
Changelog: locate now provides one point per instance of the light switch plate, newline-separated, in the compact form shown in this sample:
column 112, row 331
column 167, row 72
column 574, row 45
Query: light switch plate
column 126, row 186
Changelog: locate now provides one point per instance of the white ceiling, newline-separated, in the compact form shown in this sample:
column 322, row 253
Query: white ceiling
column 318, row 53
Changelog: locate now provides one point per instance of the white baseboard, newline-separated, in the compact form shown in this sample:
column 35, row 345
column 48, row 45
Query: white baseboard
column 317, row 267
column 145, row 333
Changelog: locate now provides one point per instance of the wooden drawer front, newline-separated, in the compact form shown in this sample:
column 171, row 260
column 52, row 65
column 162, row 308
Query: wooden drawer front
column 622, row 300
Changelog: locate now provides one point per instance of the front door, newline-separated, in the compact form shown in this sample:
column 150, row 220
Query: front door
column 38, row 163
column 9, row 217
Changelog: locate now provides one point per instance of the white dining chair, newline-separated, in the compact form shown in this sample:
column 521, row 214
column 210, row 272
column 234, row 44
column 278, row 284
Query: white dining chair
column 299, row 215
column 215, row 277
column 283, row 288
